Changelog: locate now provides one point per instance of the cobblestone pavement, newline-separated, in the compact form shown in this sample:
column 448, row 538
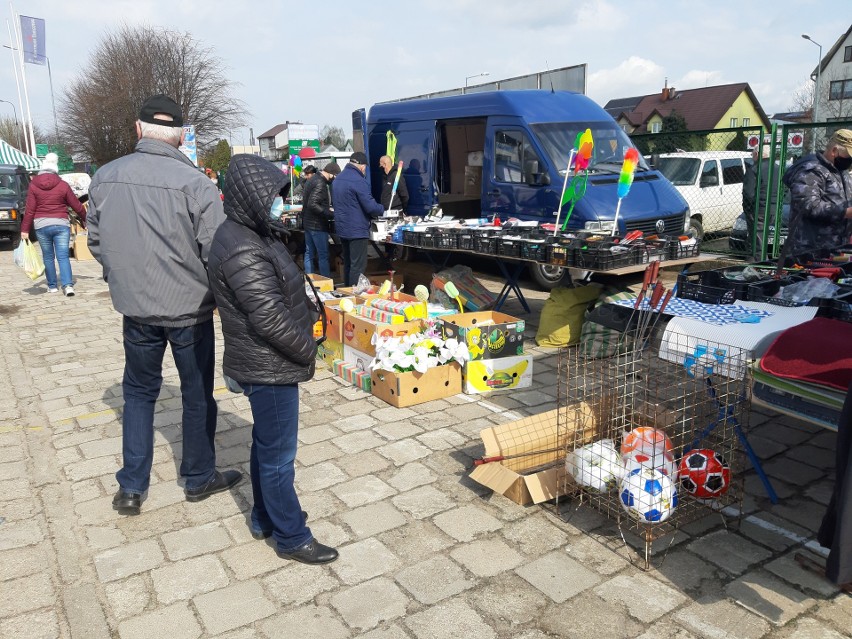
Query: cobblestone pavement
column 424, row 552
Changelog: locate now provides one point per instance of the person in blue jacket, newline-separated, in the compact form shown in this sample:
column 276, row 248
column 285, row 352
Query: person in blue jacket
column 354, row 208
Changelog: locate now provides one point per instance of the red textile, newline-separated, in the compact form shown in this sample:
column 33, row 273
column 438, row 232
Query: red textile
column 817, row 352
column 49, row 195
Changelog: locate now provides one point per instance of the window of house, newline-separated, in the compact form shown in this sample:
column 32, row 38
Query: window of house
column 840, row 90
column 733, row 122
column 746, row 121
column 732, row 171
column 656, row 127
column 847, row 54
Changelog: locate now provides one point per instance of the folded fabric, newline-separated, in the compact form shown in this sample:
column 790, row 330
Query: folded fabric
column 818, row 352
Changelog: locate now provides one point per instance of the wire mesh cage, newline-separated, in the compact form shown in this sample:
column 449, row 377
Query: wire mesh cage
column 653, row 433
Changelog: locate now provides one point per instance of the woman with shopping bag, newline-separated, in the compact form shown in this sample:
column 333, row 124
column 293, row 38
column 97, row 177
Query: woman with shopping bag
column 48, row 200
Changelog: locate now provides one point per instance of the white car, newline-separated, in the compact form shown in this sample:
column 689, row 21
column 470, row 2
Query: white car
column 712, row 184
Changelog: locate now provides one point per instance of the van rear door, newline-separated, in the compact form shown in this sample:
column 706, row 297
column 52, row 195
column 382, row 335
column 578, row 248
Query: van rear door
column 515, row 182
column 415, row 146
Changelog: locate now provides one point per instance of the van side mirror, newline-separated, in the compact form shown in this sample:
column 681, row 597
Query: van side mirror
column 709, row 180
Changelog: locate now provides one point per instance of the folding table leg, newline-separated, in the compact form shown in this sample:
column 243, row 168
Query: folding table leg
column 510, row 279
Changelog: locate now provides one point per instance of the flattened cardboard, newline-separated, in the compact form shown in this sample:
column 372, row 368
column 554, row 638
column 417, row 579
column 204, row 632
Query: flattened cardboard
column 488, row 334
column 504, row 373
column 408, row 389
column 517, row 477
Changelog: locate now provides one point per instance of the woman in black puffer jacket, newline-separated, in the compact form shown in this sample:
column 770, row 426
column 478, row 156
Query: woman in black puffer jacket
column 267, row 322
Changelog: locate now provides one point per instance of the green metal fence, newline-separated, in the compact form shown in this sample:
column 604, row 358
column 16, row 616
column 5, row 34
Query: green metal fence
column 732, row 180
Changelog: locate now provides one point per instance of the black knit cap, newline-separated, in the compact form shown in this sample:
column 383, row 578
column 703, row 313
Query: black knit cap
column 161, row 104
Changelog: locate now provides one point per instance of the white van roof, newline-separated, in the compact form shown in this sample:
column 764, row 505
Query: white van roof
column 707, row 155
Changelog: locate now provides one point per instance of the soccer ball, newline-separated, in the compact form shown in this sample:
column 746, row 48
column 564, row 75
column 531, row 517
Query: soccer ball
column 664, row 461
column 648, row 495
column 704, row 473
column 596, row 466
column 647, row 440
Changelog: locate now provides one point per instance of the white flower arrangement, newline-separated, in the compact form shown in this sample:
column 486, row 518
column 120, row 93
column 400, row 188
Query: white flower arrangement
column 417, row 352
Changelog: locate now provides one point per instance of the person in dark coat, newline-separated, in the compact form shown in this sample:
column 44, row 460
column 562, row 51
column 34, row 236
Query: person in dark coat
column 317, row 215
column 755, row 202
column 820, row 197
column 400, row 198
column 354, row 208
column 46, row 209
column 267, row 322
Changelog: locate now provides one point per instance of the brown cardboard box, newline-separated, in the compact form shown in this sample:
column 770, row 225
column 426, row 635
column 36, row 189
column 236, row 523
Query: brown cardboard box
column 536, row 448
column 81, row 248
column 329, row 351
column 358, row 332
column 473, row 181
column 334, row 319
column 488, row 334
column 407, row 389
column 322, row 284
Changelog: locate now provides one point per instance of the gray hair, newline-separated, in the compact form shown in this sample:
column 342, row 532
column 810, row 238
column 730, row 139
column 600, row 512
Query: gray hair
column 168, row 134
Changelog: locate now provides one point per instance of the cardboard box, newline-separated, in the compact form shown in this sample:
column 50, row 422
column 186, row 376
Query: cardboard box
column 321, row 283
column 358, row 359
column 329, row 351
column 358, row 332
column 473, row 181
column 81, row 248
column 407, row 389
column 536, row 448
column 504, row 373
column 488, row 334
column 334, row 319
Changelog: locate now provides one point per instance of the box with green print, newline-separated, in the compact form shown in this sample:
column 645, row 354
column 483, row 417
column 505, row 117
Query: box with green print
column 488, row 334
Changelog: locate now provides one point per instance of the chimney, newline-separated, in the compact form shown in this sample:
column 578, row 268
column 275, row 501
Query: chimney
column 672, row 93
column 665, row 94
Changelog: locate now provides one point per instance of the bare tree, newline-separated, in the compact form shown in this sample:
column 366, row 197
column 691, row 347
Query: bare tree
column 333, row 135
column 100, row 106
column 12, row 131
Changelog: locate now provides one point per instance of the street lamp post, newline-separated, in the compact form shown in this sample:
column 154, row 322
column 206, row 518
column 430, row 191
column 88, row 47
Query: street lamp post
column 15, row 111
column 475, row 75
column 816, row 85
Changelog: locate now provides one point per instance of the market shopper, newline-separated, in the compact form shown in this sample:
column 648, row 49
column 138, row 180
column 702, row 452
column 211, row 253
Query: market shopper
column 354, row 208
column 317, row 214
column 755, row 200
column 267, row 322
column 397, row 201
column 152, row 216
column 820, row 197
column 48, row 200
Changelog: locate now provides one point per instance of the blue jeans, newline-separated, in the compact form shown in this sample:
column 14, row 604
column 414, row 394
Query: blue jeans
column 193, row 352
column 275, row 410
column 54, row 241
column 316, row 245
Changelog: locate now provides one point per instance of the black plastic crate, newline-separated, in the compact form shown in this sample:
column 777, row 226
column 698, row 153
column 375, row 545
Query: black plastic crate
column 411, row 237
column 603, row 256
column 486, row 243
column 427, row 239
column 649, row 251
column 510, row 247
column 446, row 239
column 766, row 291
column 839, row 308
column 465, row 239
column 559, row 250
column 534, row 249
column 677, row 251
column 710, row 287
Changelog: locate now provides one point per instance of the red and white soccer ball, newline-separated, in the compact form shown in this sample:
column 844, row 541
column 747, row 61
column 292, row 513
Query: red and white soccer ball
column 664, row 461
column 704, row 473
column 646, row 440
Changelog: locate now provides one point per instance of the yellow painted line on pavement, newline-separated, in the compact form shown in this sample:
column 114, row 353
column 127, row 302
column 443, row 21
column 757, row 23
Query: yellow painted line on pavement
column 12, row 429
column 219, row 390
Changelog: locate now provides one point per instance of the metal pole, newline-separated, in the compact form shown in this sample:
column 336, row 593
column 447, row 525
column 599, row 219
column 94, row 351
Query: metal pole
column 52, row 100
column 816, row 88
column 29, row 114
column 17, row 82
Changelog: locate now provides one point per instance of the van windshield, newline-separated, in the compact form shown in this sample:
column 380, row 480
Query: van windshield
column 12, row 185
column 679, row 171
column 611, row 142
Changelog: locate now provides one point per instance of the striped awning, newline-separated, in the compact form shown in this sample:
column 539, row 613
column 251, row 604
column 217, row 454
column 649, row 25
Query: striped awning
column 11, row 155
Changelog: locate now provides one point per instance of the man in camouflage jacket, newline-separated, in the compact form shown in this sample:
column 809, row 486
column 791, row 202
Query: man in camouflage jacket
column 821, row 197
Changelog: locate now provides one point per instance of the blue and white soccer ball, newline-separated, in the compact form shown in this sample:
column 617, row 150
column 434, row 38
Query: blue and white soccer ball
column 596, row 466
column 648, row 495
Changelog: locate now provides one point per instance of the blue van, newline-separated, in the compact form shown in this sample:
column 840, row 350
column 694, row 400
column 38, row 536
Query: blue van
column 505, row 153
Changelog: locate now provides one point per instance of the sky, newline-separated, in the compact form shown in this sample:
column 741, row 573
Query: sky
column 317, row 61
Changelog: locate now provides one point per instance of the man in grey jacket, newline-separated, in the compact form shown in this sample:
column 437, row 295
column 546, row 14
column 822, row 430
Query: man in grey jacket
column 152, row 216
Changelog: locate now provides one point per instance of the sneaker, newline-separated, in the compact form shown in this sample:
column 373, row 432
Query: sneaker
column 69, row 291
column 52, row 289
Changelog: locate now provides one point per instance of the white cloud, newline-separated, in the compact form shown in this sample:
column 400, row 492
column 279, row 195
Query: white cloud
column 698, row 79
column 634, row 76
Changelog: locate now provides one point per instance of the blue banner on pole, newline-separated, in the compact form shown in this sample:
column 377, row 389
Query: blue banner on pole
column 32, row 36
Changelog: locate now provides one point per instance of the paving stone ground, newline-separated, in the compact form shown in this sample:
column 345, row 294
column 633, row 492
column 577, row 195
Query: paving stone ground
column 425, row 553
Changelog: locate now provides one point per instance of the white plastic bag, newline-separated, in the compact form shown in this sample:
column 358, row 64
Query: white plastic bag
column 18, row 255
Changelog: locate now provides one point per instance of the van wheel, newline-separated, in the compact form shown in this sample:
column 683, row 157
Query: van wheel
column 16, row 240
column 548, row 276
column 697, row 229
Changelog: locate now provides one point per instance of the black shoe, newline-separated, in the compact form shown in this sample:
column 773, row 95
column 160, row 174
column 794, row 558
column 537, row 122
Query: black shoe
column 126, row 503
column 264, row 534
column 312, row 552
column 220, row 483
